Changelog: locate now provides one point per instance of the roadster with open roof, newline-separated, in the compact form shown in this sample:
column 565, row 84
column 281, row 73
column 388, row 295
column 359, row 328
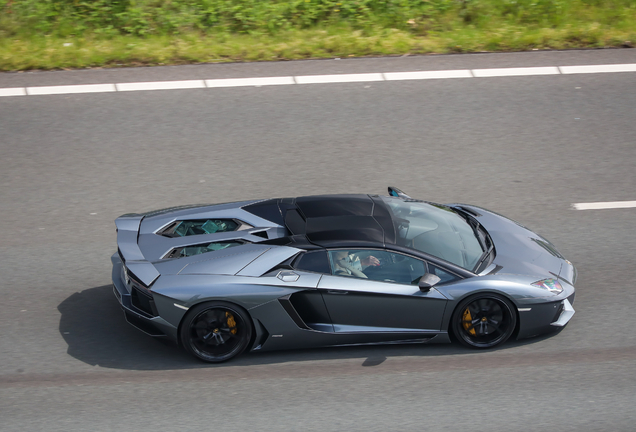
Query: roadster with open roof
column 335, row 270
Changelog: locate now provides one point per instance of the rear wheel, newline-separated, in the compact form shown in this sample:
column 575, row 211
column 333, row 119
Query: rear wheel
column 484, row 321
column 216, row 331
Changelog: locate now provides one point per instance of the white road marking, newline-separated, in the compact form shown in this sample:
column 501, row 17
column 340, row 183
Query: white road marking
column 247, row 82
column 598, row 68
column 604, row 205
column 315, row 79
column 340, row 78
column 160, row 85
column 70, row 89
column 421, row 75
column 17, row 91
column 526, row 71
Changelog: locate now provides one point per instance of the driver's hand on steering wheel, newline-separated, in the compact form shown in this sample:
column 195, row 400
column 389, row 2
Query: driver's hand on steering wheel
column 370, row 261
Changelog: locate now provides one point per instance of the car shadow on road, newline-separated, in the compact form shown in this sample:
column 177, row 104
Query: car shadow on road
column 93, row 326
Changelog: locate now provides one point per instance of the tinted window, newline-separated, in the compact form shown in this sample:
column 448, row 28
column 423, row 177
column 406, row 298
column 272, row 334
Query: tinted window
column 377, row 265
column 198, row 227
column 187, row 251
column 313, row 262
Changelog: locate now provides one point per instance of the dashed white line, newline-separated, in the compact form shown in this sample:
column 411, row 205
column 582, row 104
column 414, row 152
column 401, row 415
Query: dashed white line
column 422, row 75
column 339, row 78
column 604, row 205
column 504, row 72
column 316, row 79
column 17, row 91
column 598, row 68
column 160, row 85
column 70, row 89
column 246, row 82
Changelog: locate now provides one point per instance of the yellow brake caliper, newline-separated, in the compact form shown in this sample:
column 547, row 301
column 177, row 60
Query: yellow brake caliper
column 467, row 322
column 231, row 323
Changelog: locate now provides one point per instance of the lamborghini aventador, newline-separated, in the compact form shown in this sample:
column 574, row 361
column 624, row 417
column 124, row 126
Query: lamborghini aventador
column 334, row 270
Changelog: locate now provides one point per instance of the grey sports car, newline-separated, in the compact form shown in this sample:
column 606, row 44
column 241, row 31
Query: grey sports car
column 335, row 270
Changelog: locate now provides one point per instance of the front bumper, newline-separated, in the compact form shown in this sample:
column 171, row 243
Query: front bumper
column 542, row 318
column 567, row 312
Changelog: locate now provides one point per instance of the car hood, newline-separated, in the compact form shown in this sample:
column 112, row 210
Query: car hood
column 520, row 250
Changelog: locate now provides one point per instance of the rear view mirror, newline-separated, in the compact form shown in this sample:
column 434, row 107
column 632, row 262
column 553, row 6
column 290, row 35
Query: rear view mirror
column 427, row 281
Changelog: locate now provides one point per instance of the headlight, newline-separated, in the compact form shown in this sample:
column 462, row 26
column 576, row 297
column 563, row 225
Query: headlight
column 551, row 285
column 126, row 277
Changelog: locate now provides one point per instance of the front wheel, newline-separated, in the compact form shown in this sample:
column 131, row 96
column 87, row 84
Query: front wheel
column 215, row 332
column 484, row 321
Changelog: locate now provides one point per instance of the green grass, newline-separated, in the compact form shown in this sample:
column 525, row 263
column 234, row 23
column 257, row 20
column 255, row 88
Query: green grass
column 60, row 34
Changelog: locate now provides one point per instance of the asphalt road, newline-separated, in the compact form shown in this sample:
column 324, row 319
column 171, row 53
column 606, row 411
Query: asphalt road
column 527, row 147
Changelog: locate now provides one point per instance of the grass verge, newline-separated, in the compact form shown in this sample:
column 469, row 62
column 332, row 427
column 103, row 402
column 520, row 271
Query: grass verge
column 467, row 26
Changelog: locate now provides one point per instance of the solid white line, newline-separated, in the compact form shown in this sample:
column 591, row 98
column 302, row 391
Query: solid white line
column 422, row 75
column 17, row 91
column 526, row 71
column 249, row 82
column 160, row 85
column 598, row 68
column 340, row 78
column 604, row 205
column 70, row 89
column 315, row 79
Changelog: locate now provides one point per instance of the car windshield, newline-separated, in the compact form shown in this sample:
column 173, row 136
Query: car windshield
column 437, row 230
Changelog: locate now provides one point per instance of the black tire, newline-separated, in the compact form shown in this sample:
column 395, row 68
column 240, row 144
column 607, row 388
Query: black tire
column 484, row 321
column 216, row 331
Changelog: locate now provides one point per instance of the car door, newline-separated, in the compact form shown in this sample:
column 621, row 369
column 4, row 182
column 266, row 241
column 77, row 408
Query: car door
column 385, row 298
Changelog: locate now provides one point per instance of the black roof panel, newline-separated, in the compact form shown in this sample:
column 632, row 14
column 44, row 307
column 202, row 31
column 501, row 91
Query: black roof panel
column 363, row 228
column 325, row 219
column 335, row 205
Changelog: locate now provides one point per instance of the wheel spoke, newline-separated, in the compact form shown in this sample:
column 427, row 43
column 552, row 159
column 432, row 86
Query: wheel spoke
column 482, row 304
column 216, row 317
column 496, row 330
column 474, row 309
column 483, row 328
column 201, row 324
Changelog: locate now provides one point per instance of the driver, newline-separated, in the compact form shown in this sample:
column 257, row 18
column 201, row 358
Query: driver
column 347, row 263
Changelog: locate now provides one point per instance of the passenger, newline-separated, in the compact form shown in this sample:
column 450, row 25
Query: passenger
column 351, row 264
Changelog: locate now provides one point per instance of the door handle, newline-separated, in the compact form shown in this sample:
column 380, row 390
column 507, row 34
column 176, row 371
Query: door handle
column 337, row 292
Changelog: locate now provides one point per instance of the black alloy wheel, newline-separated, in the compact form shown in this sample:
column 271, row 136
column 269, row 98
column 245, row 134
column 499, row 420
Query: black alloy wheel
column 484, row 321
column 215, row 332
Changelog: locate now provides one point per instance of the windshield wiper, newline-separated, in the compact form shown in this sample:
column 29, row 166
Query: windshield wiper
column 476, row 227
column 482, row 236
column 485, row 256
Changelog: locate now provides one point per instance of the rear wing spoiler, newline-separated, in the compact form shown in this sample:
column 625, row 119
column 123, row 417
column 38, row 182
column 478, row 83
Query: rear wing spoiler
column 127, row 233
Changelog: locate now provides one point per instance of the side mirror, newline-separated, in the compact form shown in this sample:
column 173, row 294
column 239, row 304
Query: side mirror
column 427, row 281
